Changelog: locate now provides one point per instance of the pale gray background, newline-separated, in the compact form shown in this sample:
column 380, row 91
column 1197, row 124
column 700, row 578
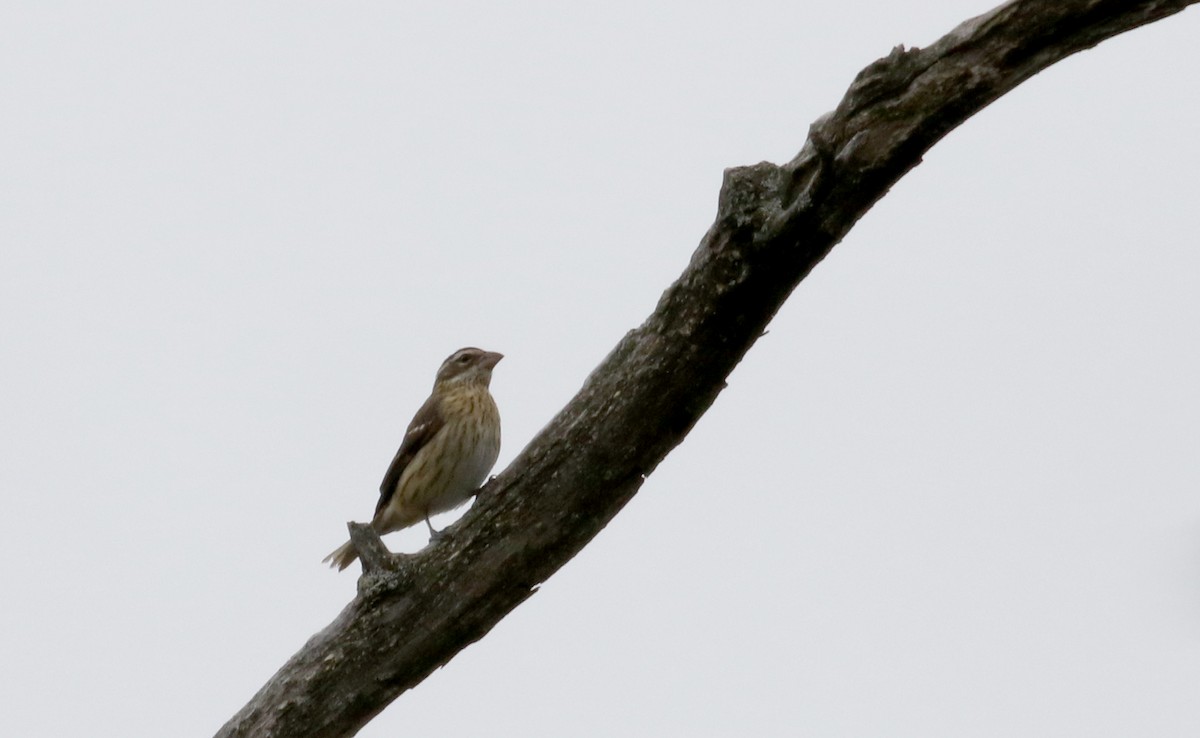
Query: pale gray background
column 953, row 492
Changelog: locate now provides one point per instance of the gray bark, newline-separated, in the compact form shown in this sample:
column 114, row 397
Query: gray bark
column 774, row 223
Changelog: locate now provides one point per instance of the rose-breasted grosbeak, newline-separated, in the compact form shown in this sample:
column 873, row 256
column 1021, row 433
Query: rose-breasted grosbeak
column 447, row 451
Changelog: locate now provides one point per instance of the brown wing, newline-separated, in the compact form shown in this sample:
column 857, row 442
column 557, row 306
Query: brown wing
column 424, row 426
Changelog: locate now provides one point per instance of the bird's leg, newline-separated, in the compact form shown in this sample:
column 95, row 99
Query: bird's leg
column 434, row 535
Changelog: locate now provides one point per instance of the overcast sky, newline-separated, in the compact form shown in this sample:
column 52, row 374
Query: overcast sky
column 954, row 492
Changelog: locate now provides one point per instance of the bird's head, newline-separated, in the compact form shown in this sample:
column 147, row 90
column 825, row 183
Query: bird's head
column 468, row 366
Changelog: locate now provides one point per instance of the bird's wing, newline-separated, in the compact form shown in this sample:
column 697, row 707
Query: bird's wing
column 424, row 426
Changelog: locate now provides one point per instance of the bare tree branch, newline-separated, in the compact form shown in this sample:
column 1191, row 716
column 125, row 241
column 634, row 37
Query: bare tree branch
column 774, row 223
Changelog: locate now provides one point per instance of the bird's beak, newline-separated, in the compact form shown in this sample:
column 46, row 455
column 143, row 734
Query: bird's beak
column 491, row 359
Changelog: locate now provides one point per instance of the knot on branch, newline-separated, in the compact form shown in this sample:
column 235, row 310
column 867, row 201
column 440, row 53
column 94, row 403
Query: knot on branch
column 748, row 197
column 884, row 78
column 382, row 569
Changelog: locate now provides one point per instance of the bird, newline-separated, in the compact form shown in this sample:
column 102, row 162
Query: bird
column 447, row 451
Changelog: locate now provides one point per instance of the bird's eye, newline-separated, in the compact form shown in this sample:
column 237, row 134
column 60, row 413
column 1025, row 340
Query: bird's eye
column 464, row 358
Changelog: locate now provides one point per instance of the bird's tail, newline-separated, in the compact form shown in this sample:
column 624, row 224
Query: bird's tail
column 342, row 557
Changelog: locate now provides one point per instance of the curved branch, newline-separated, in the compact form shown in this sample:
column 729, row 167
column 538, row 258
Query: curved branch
column 774, row 224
